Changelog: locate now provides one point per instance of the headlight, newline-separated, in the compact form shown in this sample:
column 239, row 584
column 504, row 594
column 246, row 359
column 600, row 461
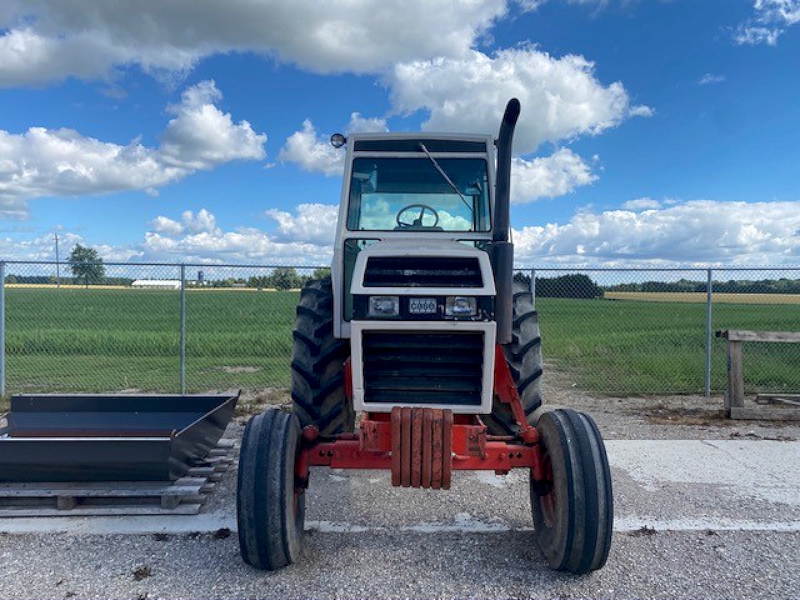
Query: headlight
column 461, row 306
column 384, row 306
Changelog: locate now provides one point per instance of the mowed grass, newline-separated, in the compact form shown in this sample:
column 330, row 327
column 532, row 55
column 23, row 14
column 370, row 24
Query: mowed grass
column 646, row 347
column 99, row 340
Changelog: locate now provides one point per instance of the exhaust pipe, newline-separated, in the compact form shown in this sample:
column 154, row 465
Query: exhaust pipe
column 502, row 253
column 502, row 195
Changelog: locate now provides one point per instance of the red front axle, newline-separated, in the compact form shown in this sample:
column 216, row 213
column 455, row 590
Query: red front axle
column 422, row 446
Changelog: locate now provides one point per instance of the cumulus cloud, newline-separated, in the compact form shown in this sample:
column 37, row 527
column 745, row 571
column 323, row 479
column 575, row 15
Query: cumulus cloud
column 768, row 23
column 314, row 153
column 561, row 97
column 695, row 232
column 54, row 39
column 201, row 136
column 303, row 238
column 63, row 162
column 641, row 204
column 202, row 222
column 314, row 223
column 42, row 248
column 13, row 208
column 549, row 176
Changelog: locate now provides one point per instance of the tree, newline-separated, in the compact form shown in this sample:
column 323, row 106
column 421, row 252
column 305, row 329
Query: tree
column 568, row 286
column 321, row 273
column 86, row 265
column 285, row 278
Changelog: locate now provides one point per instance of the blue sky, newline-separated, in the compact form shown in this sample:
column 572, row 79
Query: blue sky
column 652, row 132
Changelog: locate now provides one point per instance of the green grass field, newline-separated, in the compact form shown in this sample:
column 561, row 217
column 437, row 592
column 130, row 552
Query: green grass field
column 108, row 339
column 99, row 340
column 647, row 347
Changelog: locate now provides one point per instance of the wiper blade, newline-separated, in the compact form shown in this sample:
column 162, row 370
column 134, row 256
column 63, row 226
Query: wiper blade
column 446, row 177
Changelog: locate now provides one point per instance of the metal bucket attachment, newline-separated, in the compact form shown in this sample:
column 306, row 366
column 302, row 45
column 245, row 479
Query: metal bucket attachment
column 101, row 437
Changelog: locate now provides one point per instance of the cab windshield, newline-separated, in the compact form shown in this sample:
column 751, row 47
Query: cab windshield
column 419, row 194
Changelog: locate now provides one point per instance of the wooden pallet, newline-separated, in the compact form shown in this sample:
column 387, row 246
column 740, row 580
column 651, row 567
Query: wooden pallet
column 118, row 498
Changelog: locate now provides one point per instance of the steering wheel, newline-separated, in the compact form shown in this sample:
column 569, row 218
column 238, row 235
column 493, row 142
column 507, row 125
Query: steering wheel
column 423, row 208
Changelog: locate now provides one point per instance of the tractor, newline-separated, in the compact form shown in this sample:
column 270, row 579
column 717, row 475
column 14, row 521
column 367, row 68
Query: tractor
column 424, row 332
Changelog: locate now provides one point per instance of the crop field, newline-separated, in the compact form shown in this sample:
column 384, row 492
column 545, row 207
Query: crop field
column 695, row 297
column 626, row 347
column 102, row 340
column 112, row 339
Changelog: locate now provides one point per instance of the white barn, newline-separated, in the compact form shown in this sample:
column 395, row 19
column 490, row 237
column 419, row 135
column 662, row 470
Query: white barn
column 157, row 284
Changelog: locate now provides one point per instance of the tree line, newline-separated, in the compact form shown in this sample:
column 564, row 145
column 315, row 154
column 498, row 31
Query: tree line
column 87, row 268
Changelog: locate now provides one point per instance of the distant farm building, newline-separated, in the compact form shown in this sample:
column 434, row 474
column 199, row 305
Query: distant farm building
column 157, row 284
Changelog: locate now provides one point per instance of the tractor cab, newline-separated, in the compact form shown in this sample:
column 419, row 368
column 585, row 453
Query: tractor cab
column 403, row 192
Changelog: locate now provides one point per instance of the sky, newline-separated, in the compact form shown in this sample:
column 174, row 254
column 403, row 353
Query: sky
column 653, row 132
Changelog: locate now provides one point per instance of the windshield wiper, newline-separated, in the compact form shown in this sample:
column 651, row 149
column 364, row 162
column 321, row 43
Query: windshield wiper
column 446, row 178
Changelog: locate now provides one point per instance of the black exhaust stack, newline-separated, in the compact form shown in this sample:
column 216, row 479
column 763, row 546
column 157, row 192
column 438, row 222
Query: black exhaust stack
column 502, row 251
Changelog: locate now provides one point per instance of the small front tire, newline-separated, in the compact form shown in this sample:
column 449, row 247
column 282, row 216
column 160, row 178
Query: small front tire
column 573, row 510
column 270, row 512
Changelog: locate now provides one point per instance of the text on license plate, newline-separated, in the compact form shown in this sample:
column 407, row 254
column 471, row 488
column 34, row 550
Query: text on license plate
column 422, row 306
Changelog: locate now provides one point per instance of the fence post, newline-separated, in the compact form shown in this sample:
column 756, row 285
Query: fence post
column 533, row 288
column 2, row 328
column 183, row 329
column 709, row 298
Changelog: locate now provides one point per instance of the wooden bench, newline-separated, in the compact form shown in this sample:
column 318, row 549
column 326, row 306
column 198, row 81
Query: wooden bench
column 734, row 398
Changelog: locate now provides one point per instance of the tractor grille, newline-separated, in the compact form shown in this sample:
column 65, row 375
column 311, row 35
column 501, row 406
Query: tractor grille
column 423, row 271
column 423, row 368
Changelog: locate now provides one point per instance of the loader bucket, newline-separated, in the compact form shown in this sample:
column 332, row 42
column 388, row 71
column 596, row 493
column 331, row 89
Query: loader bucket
column 102, row 437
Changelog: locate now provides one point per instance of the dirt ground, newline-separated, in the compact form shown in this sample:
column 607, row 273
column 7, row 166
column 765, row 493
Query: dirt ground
column 619, row 418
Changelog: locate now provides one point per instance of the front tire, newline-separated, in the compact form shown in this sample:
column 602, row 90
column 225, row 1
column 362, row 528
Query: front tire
column 573, row 511
column 270, row 512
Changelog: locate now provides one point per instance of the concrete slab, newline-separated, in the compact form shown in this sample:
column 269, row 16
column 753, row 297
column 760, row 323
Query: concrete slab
column 664, row 485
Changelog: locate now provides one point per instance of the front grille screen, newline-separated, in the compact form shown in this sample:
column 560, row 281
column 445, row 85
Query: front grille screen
column 421, row 368
column 423, row 271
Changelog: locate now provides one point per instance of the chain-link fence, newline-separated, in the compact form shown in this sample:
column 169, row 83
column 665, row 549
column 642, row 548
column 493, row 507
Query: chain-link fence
column 171, row 328
column 149, row 327
column 651, row 331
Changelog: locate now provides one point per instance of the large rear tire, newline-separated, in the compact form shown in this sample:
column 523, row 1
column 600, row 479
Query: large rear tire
column 573, row 512
column 524, row 358
column 317, row 364
column 270, row 512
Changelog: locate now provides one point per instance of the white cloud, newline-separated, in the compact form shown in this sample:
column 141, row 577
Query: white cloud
column 314, row 223
column 13, row 208
column 41, row 247
column 769, row 22
column 62, row 162
column 548, row 177
column 314, row 153
column 89, row 39
column 641, row 204
column 202, row 136
column 561, row 97
column 166, row 226
column 359, row 124
column 710, row 78
column 695, row 232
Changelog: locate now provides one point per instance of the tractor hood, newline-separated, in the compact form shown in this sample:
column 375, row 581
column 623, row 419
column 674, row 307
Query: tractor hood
column 437, row 267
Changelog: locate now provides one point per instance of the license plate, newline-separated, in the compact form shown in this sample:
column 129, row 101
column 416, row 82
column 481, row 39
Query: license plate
column 422, row 306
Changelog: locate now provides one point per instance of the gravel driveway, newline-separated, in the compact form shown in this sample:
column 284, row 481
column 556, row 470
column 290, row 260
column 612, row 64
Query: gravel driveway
column 706, row 531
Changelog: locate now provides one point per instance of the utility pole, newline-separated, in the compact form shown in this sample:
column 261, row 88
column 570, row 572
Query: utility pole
column 58, row 265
